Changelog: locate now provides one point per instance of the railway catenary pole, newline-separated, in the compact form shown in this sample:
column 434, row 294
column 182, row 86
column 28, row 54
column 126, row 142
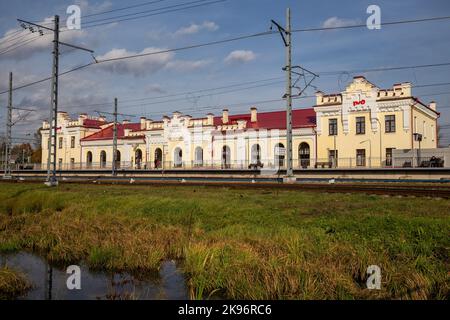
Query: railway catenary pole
column 289, row 170
column 52, row 136
column 51, row 160
column 286, row 36
column 9, row 125
column 114, row 171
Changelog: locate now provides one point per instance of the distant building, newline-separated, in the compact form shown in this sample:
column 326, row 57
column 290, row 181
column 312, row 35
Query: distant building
column 360, row 126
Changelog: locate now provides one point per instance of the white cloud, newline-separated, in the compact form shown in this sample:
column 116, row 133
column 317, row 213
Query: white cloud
column 87, row 8
column 185, row 65
column 136, row 66
column 154, row 88
column 19, row 48
column 141, row 66
column 334, row 22
column 195, row 28
column 240, row 56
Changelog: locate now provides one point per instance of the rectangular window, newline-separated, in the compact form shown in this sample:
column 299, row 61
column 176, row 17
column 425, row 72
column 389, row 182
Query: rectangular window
column 389, row 123
column 332, row 127
column 72, row 163
column 389, row 157
column 72, row 142
column 361, row 157
column 60, row 144
column 360, row 125
column 333, row 158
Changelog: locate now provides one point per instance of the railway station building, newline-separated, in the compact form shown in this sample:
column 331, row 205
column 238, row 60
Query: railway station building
column 358, row 127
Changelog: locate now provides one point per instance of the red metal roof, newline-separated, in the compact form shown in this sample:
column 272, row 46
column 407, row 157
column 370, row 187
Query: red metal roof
column 91, row 123
column 274, row 119
column 265, row 120
column 107, row 133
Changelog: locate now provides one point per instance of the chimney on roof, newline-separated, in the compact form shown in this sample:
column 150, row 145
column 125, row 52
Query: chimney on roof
column 432, row 105
column 319, row 97
column 143, row 123
column 253, row 114
column 125, row 121
column 210, row 118
column 225, row 116
column 81, row 118
column 176, row 114
column 148, row 123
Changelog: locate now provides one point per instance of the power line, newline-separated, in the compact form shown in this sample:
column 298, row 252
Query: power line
column 181, row 93
column 6, row 37
column 154, row 14
column 205, row 95
column 243, row 37
column 431, row 85
column 141, row 14
column 20, row 45
column 123, row 8
column 100, row 24
column 146, row 11
column 115, row 10
column 435, row 94
column 326, row 73
column 365, row 25
column 5, row 41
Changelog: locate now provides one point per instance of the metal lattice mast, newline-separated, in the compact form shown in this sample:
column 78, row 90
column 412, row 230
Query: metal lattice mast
column 51, row 161
column 53, row 120
column 9, row 125
column 289, row 171
column 115, row 123
column 286, row 35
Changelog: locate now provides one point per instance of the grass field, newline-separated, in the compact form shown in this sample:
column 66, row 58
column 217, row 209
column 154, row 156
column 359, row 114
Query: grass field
column 239, row 243
column 12, row 283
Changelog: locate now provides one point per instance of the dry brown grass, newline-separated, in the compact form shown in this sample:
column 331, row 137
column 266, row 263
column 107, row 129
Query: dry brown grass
column 12, row 284
column 238, row 244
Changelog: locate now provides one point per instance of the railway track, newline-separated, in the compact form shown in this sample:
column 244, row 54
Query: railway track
column 392, row 189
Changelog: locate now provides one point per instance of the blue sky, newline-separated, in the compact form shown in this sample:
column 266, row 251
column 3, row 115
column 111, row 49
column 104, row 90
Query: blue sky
column 225, row 64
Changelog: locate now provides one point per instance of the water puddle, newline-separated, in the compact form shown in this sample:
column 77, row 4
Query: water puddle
column 49, row 282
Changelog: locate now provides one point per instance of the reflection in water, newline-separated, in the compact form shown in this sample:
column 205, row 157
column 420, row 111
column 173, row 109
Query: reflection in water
column 49, row 282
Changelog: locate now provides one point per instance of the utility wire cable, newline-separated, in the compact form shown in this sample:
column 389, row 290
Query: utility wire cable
column 154, row 14
column 389, row 23
column 179, row 94
column 243, row 37
column 123, row 8
column 144, row 12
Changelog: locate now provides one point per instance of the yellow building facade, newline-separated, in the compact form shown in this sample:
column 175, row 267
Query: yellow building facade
column 359, row 127
column 363, row 124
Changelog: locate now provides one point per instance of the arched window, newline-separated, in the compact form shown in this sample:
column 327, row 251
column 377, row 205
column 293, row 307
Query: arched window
column 178, row 157
column 226, row 157
column 256, row 154
column 138, row 158
column 158, row 158
column 198, row 157
column 102, row 159
column 280, row 153
column 118, row 160
column 89, row 159
column 304, row 155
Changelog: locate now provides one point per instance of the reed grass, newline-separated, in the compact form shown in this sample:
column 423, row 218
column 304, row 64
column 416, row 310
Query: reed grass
column 12, row 284
column 239, row 243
